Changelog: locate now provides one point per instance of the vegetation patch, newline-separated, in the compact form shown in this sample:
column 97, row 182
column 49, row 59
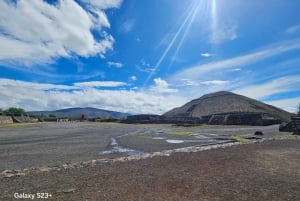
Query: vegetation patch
column 180, row 133
column 110, row 123
column 17, row 124
column 240, row 139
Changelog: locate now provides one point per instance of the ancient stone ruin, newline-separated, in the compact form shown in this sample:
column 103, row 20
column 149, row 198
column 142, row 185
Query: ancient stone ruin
column 160, row 119
column 293, row 126
column 242, row 118
column 5, row 119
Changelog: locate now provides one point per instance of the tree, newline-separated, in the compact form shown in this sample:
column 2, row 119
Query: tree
column 52, row 115
column 298, row 110
column 1, row 111
column 15, row 111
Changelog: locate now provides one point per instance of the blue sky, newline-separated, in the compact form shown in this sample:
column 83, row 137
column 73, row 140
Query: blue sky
column 147, row 56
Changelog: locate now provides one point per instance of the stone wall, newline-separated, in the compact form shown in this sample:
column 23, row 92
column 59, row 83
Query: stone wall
column 157, row 119
column 238, row 118
column 24, row 119
column 293, row 126
column 5, row 119
column 241, row 118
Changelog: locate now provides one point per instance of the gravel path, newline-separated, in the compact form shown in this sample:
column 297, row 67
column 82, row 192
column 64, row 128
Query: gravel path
column 261, row 171
column 51, row 144
column 54, row 144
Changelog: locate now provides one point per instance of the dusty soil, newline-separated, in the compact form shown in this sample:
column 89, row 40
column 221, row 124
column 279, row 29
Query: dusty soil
column 51, row 144
column 54, row 144
column 262, row 171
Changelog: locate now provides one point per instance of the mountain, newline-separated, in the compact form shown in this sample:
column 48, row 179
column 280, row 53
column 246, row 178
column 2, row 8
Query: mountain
column 76, row 113
column 226, row 102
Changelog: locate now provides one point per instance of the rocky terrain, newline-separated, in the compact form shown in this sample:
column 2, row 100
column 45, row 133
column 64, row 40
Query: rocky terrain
column 264, row 171
column 110, row 161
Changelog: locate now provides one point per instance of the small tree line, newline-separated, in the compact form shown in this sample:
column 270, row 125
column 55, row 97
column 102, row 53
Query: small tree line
column 13, row 111
column 20, row 111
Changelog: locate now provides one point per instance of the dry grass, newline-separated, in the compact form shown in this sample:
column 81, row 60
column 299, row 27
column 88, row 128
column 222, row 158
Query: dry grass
column 18, row 124
column 240, row 139
column 179, row 133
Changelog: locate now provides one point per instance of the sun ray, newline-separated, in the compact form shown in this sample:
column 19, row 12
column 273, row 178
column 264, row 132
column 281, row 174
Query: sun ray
column 214, row 19
column 191, row 20
column 187, row 21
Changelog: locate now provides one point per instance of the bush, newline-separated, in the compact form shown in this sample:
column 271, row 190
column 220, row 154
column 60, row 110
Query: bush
column 15, row 111
column 52, row 115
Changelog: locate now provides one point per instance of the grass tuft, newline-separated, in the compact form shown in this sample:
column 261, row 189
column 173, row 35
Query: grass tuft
column 180, row 133
column 240, row 139
column 17, row 124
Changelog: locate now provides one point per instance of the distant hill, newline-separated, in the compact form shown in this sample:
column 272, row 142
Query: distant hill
column 76, row 113
column 226, row 102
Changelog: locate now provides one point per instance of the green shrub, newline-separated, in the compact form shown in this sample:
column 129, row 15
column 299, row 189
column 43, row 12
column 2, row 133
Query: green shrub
column 180, row 133
column 15, row 111
column 240, row 139
column 52, row 115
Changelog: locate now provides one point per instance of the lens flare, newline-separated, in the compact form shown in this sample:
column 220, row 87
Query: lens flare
column 214, row 19
column 191, row 19
column 188, row 20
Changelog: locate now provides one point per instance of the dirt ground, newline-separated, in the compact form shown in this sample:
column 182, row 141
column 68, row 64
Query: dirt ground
column 55, row 144
column 260, row 171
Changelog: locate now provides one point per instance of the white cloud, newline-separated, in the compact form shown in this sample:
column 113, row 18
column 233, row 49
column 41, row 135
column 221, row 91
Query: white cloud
column 115, row 64
column 104, row 4
column 223, row 34
column 215, row 82
column 145, row 67
column 127, row 26
column 35, row 32
column 145, row 70
column 133, row 78
column 156, row 100
column 187, row 82
column 276, row 86
column 289, row 104
column 192, row 89
column 236, row 69
column 100, row 84
column 206, row 55
column 144, row 63
column 42, row 86
column 293, row 29
column 274, row 81
column 197, row 72
column 36, row 86
column 162, row 86
column 38, row 96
